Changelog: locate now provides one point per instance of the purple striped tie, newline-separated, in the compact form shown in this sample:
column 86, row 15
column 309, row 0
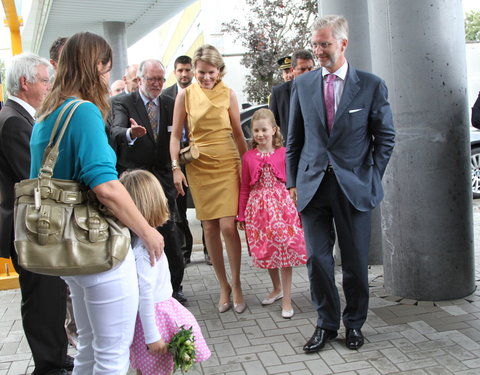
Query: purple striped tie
column 330, row 100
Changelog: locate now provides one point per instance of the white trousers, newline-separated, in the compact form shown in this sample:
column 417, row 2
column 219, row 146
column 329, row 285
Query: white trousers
column 105, row 308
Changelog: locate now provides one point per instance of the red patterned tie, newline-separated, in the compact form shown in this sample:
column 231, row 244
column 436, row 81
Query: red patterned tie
column 330, row 100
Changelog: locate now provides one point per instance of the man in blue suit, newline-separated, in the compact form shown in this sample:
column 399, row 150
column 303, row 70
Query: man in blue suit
column 340, row 139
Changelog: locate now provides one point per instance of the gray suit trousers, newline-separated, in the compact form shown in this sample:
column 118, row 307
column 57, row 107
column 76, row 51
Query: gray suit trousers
column 353, row 228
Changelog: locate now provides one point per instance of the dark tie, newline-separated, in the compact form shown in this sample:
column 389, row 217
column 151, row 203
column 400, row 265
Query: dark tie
column 152, row 116
column 330, row 100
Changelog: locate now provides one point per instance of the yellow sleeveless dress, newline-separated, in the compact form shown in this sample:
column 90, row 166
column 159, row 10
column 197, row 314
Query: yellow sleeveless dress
column 213, row 178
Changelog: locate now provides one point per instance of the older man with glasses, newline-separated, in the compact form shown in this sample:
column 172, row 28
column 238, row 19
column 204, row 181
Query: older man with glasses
column 43, row 297
column 141, row 123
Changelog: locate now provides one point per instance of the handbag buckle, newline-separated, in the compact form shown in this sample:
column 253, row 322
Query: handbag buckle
column 37, row 196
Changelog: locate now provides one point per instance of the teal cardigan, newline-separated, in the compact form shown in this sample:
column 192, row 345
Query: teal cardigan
column 85, row 155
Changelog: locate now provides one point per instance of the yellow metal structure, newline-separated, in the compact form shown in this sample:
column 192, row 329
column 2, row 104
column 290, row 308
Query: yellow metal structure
column 8, row 276
column 13, row 22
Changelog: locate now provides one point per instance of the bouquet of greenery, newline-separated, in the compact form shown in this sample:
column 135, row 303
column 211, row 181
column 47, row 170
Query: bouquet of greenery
column 182, row 347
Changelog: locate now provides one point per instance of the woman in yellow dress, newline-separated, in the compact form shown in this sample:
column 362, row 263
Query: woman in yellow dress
column 211, row 111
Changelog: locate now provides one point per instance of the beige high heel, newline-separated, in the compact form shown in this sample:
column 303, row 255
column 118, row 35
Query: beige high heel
column 222, row 307
column 239, row 307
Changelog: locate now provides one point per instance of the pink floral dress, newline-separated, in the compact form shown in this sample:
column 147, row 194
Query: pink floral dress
column 272, row 224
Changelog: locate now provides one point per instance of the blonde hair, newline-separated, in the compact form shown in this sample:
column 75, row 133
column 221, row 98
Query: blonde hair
column 77, row 71
column 266, row 114
column 147, row 194
column 210, row 55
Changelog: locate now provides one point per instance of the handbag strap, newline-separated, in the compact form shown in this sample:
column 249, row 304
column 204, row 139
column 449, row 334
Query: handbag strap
column 191, row 140
column 51, row 151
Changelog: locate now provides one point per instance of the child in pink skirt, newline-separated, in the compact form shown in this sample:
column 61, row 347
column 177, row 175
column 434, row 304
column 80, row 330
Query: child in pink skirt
column 266, row 211
column 159, row 314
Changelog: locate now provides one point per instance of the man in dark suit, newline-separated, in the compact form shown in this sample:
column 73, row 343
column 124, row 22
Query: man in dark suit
column 183, row 71
column 302, row 62
column 340, row 140
column 130, row 78
column 43, row 297
column 141, row 123
column 476, row 113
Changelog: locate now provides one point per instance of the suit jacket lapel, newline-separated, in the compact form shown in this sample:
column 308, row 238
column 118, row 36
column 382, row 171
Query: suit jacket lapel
column 142, row 111
column 18, row 108
column 350, row 90
column 316, row 91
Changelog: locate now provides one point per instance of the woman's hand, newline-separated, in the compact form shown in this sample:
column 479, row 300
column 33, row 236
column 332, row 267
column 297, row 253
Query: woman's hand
column 154, row 243
column 241, row 225
column 179, row 180
column 157, row 347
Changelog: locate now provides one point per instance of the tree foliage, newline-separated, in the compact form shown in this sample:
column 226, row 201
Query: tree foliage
column 472, row 26
column 270, row 30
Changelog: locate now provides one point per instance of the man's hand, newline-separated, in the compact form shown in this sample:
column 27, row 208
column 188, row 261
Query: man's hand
column 136, row 131
column 293, row 194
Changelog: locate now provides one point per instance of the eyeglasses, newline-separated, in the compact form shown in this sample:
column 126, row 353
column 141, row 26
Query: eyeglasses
column 324, row 45
column 154, row 79
column 45, row 81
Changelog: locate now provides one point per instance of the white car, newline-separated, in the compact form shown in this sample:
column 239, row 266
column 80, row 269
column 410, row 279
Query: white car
column 475, row 161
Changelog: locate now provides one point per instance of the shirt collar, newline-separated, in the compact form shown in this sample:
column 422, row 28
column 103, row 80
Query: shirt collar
column 146, row 100
column 31, row 111
column 340, row 73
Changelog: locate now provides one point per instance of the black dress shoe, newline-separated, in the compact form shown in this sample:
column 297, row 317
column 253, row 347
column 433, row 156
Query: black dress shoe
column 68, row 363
column 353, row 338
column 179, row 296
column 319, row 339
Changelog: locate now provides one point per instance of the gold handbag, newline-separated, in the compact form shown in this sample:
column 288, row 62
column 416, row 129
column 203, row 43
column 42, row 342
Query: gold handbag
column 61, row 229
column 190, row 152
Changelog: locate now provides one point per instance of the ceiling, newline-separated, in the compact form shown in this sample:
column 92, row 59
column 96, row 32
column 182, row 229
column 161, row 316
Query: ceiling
column 50, row 19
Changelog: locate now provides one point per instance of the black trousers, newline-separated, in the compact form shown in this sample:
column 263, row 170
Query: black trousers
column 44, row 301
column 176, row 262
column 183, row 230
column 353, row 229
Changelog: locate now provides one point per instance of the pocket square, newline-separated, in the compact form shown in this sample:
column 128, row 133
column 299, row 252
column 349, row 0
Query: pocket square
column 355, row 110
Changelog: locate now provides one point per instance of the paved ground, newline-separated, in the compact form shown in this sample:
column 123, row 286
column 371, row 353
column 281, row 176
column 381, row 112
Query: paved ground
column 402, row 336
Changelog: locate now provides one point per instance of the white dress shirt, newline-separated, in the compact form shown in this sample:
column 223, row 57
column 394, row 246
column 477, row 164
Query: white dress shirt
column 31, row 111
column 339, row 82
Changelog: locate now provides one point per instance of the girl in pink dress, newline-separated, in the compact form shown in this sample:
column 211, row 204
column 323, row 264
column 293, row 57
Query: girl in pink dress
column 159, row 314
column 266, row 211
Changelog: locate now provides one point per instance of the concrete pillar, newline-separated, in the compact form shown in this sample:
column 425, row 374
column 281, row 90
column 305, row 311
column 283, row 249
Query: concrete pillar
column 359, row 55
column 418, row 47
column 116, row 36
column 356, row 12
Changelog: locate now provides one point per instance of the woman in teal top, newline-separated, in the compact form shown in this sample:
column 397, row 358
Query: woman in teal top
column 104, row 304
